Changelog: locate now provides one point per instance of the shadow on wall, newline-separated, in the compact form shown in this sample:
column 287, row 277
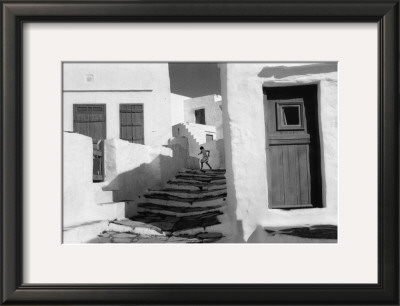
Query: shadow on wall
column 134, row 168
column 280, row 72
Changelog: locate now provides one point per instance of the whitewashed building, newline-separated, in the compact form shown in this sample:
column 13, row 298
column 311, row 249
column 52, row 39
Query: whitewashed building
column 274, row 129
column 200, row 121
column 118, row 100
column 117, row 140
column 280, row 132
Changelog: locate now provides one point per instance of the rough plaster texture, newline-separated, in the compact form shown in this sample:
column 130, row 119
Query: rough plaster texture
column 131, row 169
column 244, row 134
column 115, row 84
column 177, row 108
column 79, row 201
column 192, row 162
column 213, row 112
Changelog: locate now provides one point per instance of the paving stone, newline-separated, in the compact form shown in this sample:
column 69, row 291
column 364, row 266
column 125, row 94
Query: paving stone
column 312, row 232
column 105, row 235
column 183, row 240
column 118, row 227
column 154, row 239
column 121, row 240
column 135, row 224
column 167, row 226
column 100, row 240
column 124, row 235
column 206, row 220
column 211, row 240
column 209, row 235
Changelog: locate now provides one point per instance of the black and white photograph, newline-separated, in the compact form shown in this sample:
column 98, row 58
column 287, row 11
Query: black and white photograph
column 199, row 152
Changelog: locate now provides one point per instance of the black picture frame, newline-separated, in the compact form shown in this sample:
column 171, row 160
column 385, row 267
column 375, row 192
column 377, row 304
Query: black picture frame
column 15, row 13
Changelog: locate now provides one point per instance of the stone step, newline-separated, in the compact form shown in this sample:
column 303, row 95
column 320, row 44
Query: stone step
column 173, row 224
column 200, row 201
column 199, row 179
column 211, row 227
column 193, row 187
column 188, row 193
column 205, row 171
column 192, row 222
column 177, row 211
column 192, row 204
column 201, row 182
column 202, row 237
column 219, row 227
column 202, row 175
column 184, row 203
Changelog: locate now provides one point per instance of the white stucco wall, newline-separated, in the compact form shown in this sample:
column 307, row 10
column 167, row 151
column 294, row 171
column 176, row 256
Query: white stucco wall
column 177, row 108
column 131, row 169
column 213, row 112
column 118, row 83
column 244, row 135
column 79, row 191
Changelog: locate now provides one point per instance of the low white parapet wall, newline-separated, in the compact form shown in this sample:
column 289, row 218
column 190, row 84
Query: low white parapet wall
column 79, row 201
column 130, row 169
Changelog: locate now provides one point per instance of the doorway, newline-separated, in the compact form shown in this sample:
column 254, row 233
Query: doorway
column 90, row 120
column 293, row 147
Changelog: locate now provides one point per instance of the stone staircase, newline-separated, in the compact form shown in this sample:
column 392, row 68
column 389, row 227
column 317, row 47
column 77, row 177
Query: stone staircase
column 191, row 205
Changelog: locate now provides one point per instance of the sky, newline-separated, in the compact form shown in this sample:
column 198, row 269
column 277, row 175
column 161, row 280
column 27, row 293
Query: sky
column 194, row 79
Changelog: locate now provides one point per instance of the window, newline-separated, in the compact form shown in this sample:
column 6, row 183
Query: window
column 209, row 137
column 90, row 120
column 290, row 116
column 200, row 116
column 131, row 123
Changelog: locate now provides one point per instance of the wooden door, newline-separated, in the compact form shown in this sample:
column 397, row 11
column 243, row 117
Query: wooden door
column 294, row 180
column 90, row 120
column 131, row 123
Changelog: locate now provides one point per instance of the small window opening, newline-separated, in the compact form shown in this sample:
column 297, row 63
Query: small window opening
column 291, row 115
column 200, row 116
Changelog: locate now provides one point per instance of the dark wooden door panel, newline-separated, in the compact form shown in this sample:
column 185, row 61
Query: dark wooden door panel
column 289, row 183
column 304, row 174
column 293, row 158
column 275, row 178
column 132, row 123
column 90, row 120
